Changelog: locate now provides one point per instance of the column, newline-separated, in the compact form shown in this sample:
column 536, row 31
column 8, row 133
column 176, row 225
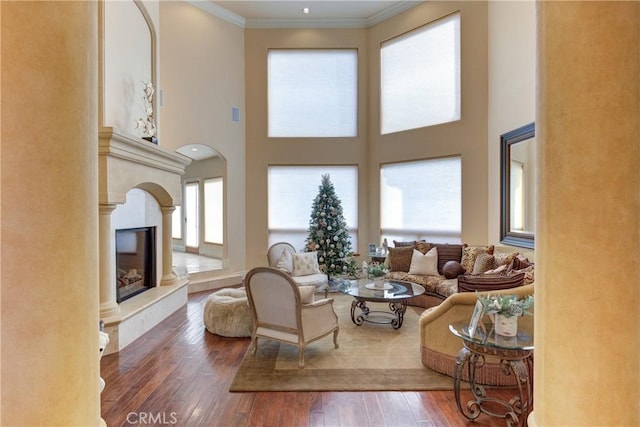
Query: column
column 108, row 305
column 587, row 340
column 168, row 277
column 49, row 328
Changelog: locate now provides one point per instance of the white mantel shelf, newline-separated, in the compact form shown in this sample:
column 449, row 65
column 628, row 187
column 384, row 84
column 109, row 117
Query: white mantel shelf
column 119, row 144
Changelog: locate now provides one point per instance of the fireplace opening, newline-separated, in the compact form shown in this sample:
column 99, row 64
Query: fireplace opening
column 135, row 261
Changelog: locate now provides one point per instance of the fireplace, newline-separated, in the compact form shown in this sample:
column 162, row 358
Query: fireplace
column 135, row 261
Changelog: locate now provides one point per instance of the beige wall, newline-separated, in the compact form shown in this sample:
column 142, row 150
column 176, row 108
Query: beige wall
column 127, row 50
column 263, row 151
column 511, row 84
column 201, row 82
column 466, row 137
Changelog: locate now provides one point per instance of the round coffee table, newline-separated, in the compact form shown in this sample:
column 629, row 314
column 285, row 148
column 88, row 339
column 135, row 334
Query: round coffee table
column 394, row 292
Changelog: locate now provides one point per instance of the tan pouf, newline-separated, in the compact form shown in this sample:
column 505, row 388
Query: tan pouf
column 227, row 313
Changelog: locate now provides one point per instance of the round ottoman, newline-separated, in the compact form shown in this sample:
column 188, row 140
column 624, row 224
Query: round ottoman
column 227, row 313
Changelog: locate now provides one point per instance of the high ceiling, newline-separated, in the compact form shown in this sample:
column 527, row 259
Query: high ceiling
column 322, row 13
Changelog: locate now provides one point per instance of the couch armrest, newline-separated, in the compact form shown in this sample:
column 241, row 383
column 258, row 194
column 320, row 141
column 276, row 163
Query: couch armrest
column 434, row 322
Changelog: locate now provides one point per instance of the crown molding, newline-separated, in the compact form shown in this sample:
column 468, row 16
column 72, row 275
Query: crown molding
column 220, row 12
column 240, row 21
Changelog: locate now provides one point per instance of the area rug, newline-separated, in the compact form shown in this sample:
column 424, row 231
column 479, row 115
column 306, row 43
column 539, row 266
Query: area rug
column 371, row 357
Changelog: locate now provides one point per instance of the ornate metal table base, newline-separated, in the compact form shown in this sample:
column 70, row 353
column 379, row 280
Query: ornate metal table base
column 394, row 317
column 513, row 362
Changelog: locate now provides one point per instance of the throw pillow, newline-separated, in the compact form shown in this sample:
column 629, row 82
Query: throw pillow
column 470, row 253
column 305, row 263
column 285, row 262
column 484, row 262
column 307, row 293
column 505, row 258
column 399, row 244
column 400, row 258
column 486, row 282
column 425, row 264
column 452, row 269
column 519, row 264
column 448, row 252
column 423, row 247
column 501, row 269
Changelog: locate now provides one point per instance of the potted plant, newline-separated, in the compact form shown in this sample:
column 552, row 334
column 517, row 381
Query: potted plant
column 376, row 271
column 507, row 309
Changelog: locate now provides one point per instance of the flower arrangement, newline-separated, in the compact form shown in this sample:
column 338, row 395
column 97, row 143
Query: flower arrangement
column 376, row 269
column 506, row 305
column 147, row 124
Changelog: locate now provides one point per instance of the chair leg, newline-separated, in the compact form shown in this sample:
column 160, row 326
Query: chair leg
column 301, row 356
column 254, row 343
column 335, row 338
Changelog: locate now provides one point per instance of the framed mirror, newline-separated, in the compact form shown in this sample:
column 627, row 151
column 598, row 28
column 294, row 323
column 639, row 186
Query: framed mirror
column 517, row 186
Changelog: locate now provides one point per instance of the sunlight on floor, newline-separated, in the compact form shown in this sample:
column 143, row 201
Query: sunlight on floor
column 196, row 263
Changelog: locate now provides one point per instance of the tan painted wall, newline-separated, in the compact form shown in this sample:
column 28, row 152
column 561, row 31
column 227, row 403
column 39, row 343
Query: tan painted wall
column 201, row 82
column 512, row 96
column 261, row 151
column 466, row 137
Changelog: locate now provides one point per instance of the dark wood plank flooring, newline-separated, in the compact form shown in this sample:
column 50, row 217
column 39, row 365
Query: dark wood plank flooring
column 179, row 374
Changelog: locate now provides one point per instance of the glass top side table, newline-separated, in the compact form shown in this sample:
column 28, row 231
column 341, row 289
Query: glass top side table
column 515, row 354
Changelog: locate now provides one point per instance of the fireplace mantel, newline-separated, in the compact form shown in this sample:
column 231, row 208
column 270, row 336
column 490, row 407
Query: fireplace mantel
column 126, row 162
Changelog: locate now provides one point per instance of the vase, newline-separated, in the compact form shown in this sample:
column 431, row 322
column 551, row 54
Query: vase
column 379, row 282
column 506, row 326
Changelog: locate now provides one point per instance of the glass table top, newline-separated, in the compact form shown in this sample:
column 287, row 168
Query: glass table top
column 487, row 337
column 390, row 290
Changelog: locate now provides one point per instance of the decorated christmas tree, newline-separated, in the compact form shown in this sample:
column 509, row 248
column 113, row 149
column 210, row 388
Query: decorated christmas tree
column 328, row 233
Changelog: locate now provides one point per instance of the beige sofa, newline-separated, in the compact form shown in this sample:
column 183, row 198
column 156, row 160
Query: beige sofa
column 439, row 346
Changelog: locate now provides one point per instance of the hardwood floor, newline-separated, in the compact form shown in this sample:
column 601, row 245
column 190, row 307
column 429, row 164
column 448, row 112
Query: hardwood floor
column 179, row 374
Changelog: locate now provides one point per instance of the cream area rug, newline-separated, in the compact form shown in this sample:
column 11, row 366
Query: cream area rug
column 371, row 357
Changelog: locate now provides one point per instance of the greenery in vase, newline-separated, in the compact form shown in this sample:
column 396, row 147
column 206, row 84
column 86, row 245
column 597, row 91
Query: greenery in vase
column 506, row 305
column 376, row 270
column 328, row 233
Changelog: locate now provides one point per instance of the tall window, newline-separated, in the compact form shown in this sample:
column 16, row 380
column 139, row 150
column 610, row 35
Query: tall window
column 422, row 200
column 312, row 92
column 213, row 210
column 292, row 190
column 191, row 209
column 176, row 223
column 420, row 77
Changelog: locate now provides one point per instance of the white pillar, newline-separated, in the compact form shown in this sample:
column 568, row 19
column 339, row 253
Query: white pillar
column 168, row 277
column 108, row 305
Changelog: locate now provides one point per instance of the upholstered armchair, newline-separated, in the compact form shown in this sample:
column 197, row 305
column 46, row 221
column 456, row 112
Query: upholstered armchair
column 283, row 255
column 286, row 312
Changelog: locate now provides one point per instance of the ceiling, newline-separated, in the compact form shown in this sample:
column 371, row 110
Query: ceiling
column 322, row 13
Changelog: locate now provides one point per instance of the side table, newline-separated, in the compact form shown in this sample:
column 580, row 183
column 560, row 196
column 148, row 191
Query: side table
column 515, row 354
